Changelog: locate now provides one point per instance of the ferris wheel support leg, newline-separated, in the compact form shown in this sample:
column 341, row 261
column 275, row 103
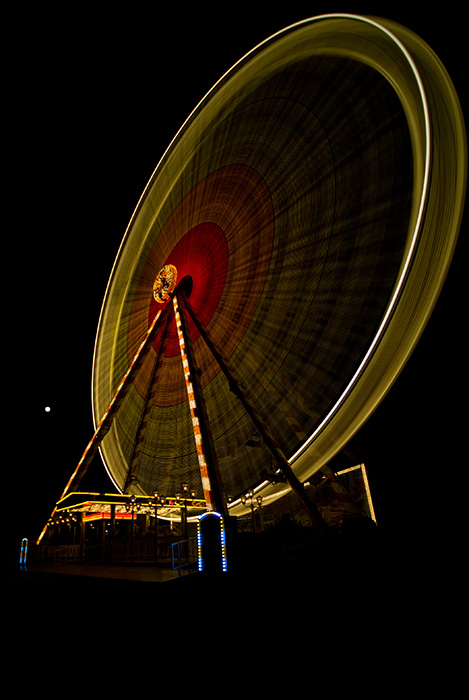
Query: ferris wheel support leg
column 269, row 441
column 106, row 420
column 149, row 401
column 211, row 480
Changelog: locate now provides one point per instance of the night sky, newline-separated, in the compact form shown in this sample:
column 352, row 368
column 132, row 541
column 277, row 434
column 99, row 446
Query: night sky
column 95, row 101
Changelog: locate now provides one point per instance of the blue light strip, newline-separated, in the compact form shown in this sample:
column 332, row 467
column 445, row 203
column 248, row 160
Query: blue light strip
column 23, row 551
column 199, row 548
column 224, row 562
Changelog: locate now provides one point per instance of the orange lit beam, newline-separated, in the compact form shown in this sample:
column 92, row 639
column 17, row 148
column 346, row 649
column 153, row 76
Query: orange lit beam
column 106, row 420
column 106, row 515
column 211, row 481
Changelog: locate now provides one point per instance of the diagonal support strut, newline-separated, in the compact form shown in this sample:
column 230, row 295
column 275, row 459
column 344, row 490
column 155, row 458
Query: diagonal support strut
column 274, row 449
column 148, row 404
column 211, row 480
column 105, row 422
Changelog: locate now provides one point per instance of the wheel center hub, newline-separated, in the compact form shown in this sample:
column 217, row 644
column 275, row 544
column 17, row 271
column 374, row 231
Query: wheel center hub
column 165, row 283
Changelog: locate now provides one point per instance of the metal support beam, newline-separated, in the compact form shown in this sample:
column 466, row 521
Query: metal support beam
column 105, row 423
column 211, row 480
column 149, row 402
column 272, row 446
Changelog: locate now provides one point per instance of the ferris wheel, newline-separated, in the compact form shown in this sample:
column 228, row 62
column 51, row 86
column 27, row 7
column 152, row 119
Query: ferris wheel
column 280, row 265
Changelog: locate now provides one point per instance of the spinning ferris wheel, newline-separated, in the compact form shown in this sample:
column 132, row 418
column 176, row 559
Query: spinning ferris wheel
column 280, row 265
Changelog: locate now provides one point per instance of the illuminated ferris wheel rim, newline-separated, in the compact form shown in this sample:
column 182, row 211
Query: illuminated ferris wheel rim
column 255, row 50
column 301, row 458
column 414, row 235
